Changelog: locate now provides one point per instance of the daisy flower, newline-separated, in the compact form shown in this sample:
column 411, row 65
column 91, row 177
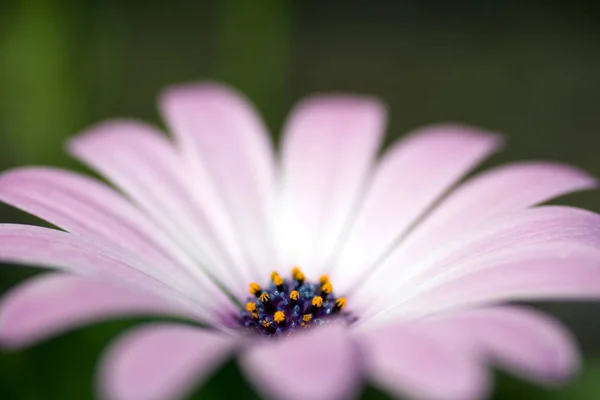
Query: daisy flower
column 319, row 267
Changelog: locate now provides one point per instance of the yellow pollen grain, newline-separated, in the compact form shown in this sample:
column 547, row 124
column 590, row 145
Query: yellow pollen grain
column 250, row 307
column 297, row 274
column 277, row 279
column 327, row 288
column 264, row 297
column 254, row 288
column 317, row 301
column 306, row 318
column 294, row 295
column 279, row 317
column 340, row 303
column 324, row 279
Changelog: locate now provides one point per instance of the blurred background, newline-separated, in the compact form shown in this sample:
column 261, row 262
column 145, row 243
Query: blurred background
column 528, row 69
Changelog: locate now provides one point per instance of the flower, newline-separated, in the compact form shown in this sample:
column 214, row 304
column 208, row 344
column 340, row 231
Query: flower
column 395, row 269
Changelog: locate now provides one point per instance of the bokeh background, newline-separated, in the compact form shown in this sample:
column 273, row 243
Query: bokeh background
column 529, row 69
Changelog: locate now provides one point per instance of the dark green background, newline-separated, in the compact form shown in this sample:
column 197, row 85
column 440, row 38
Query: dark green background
column 529, row 69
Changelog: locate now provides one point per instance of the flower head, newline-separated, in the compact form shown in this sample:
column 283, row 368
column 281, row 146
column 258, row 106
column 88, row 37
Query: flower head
column 320, row 267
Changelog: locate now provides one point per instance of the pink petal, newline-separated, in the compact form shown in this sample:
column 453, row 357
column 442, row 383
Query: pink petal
column 492, row 194
column 526, row 341
column 50, row 304
column 319, row 364
column 32, row 245
column 544, row 272
column 141, row 162
column 226, row 143
column 413, row 363
column 161, row 361
column 409, row 179
column 91, row 209
column 502, row 240
column 328, row 147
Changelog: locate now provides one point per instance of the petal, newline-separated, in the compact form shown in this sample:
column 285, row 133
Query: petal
column 225, row 142
column 328, row 147
column 545, row 272
column 523, row 340
column 144, row 165
column 490, row 195
column 32, row 245
column 161, row 361
column 319, row 364
column 508, row 239
column 409, row 179
column 411, row 362
column 91, row 209
column 53, row 303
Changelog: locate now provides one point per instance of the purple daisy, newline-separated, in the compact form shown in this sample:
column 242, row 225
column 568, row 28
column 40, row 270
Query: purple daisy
column 319, row 268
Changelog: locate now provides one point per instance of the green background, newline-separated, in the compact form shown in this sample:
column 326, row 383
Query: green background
column 529, row 69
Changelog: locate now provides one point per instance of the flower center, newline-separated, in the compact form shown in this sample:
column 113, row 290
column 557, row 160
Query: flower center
column 289, row 304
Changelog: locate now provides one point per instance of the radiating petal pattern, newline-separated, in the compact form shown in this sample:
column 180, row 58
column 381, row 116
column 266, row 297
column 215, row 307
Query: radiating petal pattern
column 404, row 185
column 547, row 272
column 321, row 364
column 53, row 303
column 403, row 269
column 145, row 165
column 412, row 362
column 229, row 150
column 522, row 340
column 92, row 210
column 328, row 146
column 36, row 246
column 161, row 361
column 484, row 198
column 505, row 239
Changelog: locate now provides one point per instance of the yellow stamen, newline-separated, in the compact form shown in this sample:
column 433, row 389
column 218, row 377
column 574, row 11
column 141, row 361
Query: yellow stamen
column 324, row 279
column 327, row 288
column 251, row 306
column 340, row 303
column 317, row 301
column 305, row 320
column 276, row 278
column 266, row 323
column 294, row 295
column 298, row 275
column 279, row 317
column 255, row 314
column 254, row 288
column 264, row 297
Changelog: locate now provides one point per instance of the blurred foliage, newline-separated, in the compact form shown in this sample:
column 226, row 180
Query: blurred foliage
column 530, row 69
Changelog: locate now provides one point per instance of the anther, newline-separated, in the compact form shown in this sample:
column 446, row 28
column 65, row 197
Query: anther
column 326, row 289
column 279, row 317
column 264, row 297
column 317, row 301
column 277, row 280
column 298, row 276
column 268, row 326
column 324, row 279
column 306, row 318
column 254, row 288
column 251, row 306
column 340, row 304
column 294, row 296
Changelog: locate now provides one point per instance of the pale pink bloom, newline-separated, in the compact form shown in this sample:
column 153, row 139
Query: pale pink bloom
column 425, row 256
